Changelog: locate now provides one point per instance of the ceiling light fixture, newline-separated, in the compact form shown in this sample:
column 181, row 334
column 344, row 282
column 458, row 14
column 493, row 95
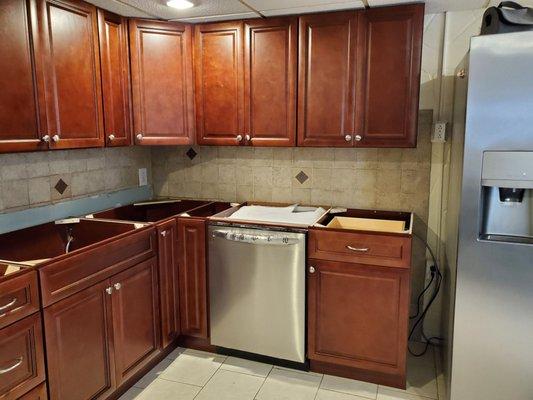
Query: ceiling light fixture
column 180, row 4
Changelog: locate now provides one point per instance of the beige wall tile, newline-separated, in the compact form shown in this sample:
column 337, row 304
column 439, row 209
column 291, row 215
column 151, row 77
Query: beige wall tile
column 321, row 178
column 388, row 181
column 39, row 190
column 13, row 166
column 37, row 164
column 15, row 193
column 281, row 177
column 244, row 192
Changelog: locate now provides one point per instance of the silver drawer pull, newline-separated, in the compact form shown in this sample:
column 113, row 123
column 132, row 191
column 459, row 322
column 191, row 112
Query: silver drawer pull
column 14, row 366
column 358, row 249
column 6, row 306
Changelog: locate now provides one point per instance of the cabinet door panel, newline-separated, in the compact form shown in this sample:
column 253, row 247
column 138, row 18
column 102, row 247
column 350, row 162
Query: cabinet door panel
column 327, row 79
column 163, row 102
column 79, row 345
column 113, row 35
column 358, row 316
column 136, row 324
column 270, row 81
column 21, row 124
column 219, row 83
column 69, row 44
column 168, row 281
column 193, row 277
column 393, row 54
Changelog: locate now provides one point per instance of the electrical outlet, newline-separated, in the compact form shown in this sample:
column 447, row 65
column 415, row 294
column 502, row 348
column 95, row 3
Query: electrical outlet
column 439, row 132
column 143, row 177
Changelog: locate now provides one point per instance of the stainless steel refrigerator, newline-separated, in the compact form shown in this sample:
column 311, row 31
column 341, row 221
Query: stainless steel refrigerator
column 492, row 356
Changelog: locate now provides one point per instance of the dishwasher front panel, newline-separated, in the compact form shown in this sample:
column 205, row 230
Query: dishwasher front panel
column 257, row 291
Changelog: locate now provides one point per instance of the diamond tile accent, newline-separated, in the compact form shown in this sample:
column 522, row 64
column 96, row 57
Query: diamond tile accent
column 191, row 153
column 61, row 186
column 301, row 177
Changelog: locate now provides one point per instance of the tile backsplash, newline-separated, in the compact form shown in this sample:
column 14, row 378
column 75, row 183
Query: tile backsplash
column 391, row 179
column 41, row 178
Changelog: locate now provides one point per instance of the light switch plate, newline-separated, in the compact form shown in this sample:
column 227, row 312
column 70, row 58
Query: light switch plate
column 143, row 177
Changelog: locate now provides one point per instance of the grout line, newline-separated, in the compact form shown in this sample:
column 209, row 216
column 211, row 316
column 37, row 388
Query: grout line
column 180, row 382
column 264, row 381
column 318, row 388
column 209, row 380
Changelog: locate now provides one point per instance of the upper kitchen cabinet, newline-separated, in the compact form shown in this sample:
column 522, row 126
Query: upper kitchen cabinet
column 114, row 57
column 219, row 83
column 270, row 54
column 67, row 42
column 161, row 72
column 329, row 71
column 393, row 45
column 22, row 120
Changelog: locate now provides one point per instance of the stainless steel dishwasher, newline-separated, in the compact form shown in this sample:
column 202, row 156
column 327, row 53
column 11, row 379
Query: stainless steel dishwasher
column 257, row 291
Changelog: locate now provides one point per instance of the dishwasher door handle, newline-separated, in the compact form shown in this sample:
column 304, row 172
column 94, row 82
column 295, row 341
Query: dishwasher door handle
column 275, row 240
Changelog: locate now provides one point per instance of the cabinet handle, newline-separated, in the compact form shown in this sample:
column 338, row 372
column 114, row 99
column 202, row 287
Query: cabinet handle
column 111, row 137
column 358, row 249
column 46, row 138
column 348, row 138
column 358, row 138
column 312, row 270
column 239, row 138
column 14, row 366
column 56, row 138
column 248, row 138
column 139, row 137
column 109, row 290
column 117, row 286
column 6, row 306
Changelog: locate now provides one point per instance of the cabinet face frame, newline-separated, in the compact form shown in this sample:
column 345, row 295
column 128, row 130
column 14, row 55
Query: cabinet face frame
column 253, row 28
column 45, row 50
column 139, row 27
column 112, row 98
column 233, row 29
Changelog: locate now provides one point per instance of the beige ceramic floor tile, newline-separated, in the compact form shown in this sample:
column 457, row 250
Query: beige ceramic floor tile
column 283, row 384
column 167, row 390
column 131, row 394
column 246, row 367
column 228, row 385
column 153, row 374
column 175, row 353
column 350, row 386
column 329, row 395
column 193, row 367
column 390, row 394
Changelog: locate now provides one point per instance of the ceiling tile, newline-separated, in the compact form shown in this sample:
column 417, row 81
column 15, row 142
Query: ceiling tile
column 120, row 8
column 437, row 6
column 224, row 17
column 293, row 7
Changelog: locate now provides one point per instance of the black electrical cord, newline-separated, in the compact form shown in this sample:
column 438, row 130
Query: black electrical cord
column 421, row 294
column 436, row 276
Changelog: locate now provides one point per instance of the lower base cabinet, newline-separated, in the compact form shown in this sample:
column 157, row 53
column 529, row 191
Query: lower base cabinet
column 21, row 357
column 357, row 318
column 102, row 335
column 39, row 393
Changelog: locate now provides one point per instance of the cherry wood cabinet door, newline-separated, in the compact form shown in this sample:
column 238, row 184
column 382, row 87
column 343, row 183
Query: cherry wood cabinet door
column 193, row 277
column 358, row 316
column 22, row 117
column 136, row 323
column 168, row 281
column 114, row 57
column 68, row 43
column 219, row 83
column 329, row 72
column 270, row 59
column 393, row 46
column 161, row 72
column 79, row 345
column 21, row 357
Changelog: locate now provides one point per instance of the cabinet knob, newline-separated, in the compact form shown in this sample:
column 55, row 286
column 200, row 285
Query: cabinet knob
column 46, row 138
column 348, row 138
column 117, row 286
column 164, row 233
column 139, row 137
column 358, row 138
column 56, row 138
column 248, row 138
column 239, row 138
column 111, row 137
column 109, row 290
column 312, row 270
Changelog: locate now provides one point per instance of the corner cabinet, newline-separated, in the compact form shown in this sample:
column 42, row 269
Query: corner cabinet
column 162, row 80
column 115, row 60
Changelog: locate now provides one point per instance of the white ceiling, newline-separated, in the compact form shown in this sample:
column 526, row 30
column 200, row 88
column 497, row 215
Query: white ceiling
column 212, row 10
